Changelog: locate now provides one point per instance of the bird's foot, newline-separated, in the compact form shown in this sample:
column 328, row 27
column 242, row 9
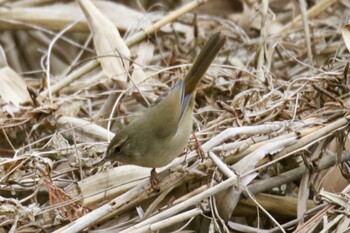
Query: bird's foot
column 199, row 149
column 154, row 180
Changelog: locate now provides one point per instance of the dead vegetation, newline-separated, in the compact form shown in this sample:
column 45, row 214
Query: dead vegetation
column 271, row 116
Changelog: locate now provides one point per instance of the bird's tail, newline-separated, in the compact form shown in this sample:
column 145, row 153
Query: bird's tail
column 203, row 61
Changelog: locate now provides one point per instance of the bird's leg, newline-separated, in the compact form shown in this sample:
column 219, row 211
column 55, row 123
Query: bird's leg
column 198, row 146
column 154, row 179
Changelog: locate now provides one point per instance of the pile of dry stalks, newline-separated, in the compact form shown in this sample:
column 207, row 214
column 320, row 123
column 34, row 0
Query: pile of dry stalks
column 269, row 148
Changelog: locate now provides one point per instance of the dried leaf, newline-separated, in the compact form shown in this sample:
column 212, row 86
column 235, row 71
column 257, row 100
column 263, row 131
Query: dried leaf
column 335, row 199
column 249, row 162
column 3, row 59
column 303, row 194
column 226, row 201
column 70, row 108
column 12, row 87
column 343, row 225
column 111, row 182
column 111, row 49
column 144, row 56
column 346, row 35
column 57, row 16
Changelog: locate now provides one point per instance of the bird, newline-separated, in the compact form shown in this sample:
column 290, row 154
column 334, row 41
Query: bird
column 159, row 135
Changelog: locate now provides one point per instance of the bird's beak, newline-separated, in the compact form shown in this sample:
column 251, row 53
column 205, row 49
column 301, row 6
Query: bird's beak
column 103, row 159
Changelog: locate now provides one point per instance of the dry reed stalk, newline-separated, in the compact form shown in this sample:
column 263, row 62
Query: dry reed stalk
column 271, row 141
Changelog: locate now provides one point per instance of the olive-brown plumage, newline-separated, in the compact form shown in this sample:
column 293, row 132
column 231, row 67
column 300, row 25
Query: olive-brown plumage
column 159, row 135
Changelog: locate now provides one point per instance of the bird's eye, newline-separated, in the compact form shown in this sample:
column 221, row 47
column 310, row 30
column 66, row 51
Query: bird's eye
column 117, row 149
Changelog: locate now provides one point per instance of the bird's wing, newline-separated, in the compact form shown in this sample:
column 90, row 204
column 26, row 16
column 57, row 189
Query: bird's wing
column 165, row 115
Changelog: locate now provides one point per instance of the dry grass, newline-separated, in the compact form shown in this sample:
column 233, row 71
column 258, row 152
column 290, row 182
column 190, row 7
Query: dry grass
column 271, row 116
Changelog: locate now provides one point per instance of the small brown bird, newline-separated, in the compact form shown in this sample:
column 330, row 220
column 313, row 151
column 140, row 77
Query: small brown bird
column 159, row 135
